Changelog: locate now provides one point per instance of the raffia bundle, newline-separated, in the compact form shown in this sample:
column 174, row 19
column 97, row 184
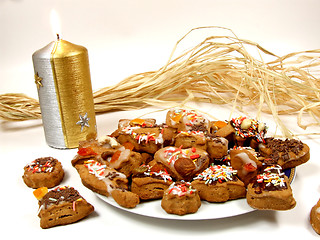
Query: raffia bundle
column 219, row 70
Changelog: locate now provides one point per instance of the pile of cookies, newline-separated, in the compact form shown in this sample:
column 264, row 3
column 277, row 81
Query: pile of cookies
column 181, row 162
column 189, row 159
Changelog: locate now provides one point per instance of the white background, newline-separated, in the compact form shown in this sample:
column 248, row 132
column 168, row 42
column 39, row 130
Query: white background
column 125, row 37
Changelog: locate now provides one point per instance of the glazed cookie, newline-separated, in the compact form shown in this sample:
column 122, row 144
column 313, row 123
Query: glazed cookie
column 43, row 172
column 287, row 153
column 61, row 206
column 144, row 134
column 150, row 182
column 315, row 217
column 219, row 183
column 182, row 164
column 122, row 159
column 270, row 190
column 105, row 180
column 245, row 161
column 180, row 199
column 187, row 120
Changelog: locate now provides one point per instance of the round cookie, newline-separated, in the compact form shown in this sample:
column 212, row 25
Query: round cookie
column 315, row 217
column 43, row 172
column 180, row 199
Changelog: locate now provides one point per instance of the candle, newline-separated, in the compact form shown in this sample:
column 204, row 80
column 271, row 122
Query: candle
column 62, row 77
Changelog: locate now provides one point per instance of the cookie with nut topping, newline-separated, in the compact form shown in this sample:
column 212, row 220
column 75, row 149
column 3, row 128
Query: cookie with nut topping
column 182, row 164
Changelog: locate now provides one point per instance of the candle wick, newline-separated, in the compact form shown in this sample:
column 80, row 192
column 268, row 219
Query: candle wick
column 58, row 37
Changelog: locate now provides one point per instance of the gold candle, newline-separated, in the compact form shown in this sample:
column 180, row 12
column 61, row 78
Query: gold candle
column 62, row 77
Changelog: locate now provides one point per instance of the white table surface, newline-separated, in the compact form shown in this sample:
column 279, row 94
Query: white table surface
column 124, row 38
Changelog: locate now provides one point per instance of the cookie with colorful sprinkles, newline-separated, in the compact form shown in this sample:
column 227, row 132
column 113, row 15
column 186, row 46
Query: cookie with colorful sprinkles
column 43, row 172
column 60, row 206
column 180, row 199
column 219, row 183
column 270, row 190
column 150, row 182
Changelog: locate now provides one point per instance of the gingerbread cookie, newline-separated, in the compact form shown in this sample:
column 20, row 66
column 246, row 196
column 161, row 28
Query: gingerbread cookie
column 144, row 134
column 270, row 190
column 43, row 172
column 287, row 153
column 61, row 206
column 150, row 182
column 243, row 131
column 180, row 199
column 182, row 164
column 245, row 161
column 219, row 183
column 315, row 217
column 122, row 159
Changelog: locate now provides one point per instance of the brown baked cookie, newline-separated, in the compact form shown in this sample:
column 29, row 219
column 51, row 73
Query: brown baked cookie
column 144, row 134
column 180, row 199
column 243, row 131
column 92, row 149
column 245, row 161
column 125, row 198
column 61, row 206
column 150, row 182
column 43, row 172
column 188, row 139
column 182, row 164
column 187, row 120
column 315, row 217
column 217, row 148
column 122, row 159
column 100, row 178
column 270, row 190
column 287, row 153
column 219, row 183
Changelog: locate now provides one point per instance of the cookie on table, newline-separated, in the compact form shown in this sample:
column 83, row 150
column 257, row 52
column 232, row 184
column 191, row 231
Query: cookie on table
column 180, row 199
column 270, row 190
column 150, row 182
column 61, row 206
column 43, row 172
column 287, row 153
column 219, row 183
column 315, row 217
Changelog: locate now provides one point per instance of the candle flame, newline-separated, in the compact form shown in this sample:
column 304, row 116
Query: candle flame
column 55, row 24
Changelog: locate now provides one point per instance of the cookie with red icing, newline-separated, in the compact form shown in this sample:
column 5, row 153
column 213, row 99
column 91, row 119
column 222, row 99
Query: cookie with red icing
column 180, row 199
column 43, row 172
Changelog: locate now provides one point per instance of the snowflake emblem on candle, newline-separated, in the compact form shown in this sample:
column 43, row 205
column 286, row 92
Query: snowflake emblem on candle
column 38, row 80
column 84, row 121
